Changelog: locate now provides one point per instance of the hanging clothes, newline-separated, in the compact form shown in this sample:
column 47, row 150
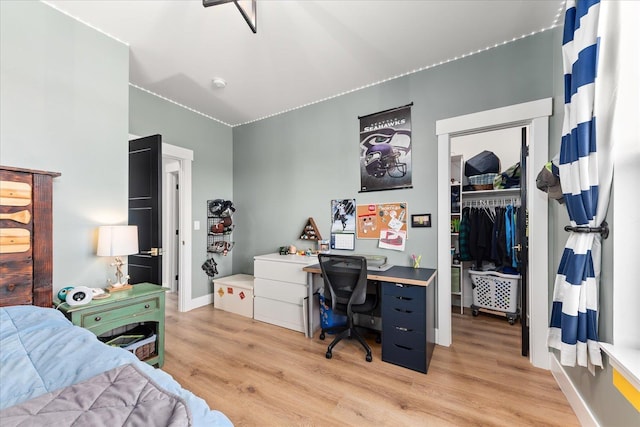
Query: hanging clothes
column 488, row 234
column 480, row 234
column 463, row 236
column 511, row 230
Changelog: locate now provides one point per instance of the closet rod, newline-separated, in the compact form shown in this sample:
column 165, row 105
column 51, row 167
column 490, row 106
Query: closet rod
column 503, row 201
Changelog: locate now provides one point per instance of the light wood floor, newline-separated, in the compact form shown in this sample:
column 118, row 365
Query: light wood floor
column 264, row 375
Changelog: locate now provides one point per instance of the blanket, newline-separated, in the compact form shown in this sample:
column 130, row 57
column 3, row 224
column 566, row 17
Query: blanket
column 121, row 396
column 41, row 352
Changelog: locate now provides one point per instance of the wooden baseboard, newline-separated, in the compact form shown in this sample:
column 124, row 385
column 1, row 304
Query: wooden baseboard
column 579, row 406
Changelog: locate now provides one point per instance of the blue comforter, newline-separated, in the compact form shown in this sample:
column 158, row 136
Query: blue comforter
column 41, row 351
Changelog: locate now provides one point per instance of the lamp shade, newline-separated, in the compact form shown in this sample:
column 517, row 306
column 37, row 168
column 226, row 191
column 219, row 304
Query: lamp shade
column 117, row 240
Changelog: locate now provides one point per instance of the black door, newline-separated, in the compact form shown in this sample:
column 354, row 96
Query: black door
column 523, row 232
column 145, row 208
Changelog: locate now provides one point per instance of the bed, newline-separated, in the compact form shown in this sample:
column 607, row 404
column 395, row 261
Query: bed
column 51, row 368
column 55, row 373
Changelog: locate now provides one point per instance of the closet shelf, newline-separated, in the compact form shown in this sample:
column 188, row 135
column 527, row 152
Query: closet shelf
column 492, row 192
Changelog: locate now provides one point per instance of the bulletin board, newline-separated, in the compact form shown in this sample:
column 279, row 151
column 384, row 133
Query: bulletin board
column 373, row 218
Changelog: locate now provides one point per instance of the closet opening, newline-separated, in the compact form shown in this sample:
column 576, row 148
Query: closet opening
column 488, row 228
column 535, row 116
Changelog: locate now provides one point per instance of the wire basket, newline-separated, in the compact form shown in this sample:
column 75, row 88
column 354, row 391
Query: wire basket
column 482, row 182
column 495, row 291
column 143, row 349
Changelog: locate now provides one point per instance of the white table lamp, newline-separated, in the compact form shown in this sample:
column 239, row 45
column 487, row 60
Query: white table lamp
column 117, row 241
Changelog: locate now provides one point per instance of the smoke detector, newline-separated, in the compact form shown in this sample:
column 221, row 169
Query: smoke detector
column 219, row 83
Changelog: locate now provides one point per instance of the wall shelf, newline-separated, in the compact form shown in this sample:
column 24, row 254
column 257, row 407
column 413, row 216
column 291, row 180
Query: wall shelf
column 310, row 231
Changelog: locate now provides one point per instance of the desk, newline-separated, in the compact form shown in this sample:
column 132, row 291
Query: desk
column 408, row 313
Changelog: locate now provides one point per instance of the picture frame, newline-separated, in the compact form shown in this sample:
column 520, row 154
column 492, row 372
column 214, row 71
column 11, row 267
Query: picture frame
column 421, row 220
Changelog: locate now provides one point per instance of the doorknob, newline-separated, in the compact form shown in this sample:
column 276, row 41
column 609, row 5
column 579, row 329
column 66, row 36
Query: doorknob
column 152, row 252
column 517, row 247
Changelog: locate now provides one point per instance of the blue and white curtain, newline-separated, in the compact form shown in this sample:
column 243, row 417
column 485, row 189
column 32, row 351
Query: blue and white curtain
column 586, row 171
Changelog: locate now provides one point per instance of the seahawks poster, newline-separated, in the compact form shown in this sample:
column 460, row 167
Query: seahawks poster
column 385, row 150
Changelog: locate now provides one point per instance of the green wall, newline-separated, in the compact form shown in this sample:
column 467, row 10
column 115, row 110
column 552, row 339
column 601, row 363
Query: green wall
column 64, row 107
column 289, row 167
column 211, row 168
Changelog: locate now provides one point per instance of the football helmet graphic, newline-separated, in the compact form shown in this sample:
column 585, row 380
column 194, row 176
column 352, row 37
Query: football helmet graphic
column 382, row 157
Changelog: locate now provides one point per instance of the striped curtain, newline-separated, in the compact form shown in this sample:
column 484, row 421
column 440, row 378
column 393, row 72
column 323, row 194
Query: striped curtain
column 586, row 171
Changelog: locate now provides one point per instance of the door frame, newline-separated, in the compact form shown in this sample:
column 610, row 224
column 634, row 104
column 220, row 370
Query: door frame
column 535, row 115
column 170, row 216
column 184, row 157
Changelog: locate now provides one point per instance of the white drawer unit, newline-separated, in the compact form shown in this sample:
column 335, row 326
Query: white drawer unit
column 285, row 268
column 280, row 287
column 279, row 313
column 293, row 293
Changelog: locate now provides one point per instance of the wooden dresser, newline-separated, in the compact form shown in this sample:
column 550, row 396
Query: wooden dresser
column 143, row 303
column 26, row 236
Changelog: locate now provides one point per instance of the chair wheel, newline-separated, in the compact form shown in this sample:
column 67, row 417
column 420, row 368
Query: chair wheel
column 328, row 355
column 369, row 358
column 322, row 335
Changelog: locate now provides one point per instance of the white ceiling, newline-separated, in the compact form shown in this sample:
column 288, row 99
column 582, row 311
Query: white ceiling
column 304, row 51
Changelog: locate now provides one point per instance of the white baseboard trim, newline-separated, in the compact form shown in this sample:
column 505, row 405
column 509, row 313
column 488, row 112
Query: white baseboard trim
column 199, row 302
column 579, row 406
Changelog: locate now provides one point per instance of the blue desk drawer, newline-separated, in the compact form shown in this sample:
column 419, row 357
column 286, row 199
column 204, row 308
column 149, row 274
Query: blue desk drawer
column 394, row 316
column 404, row 291
column 404, row 306
column 403, row 356
column 405, row 338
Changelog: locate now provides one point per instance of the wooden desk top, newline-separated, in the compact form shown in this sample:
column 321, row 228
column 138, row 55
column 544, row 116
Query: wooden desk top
column 406, row 275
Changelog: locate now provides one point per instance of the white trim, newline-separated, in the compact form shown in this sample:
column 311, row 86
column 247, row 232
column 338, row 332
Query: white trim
column 184, row 157
column 535, row 115
column 538, row 274
column 444, row 240
column 496, row 118
column 625, row 360
column 176, row 152
column 170, row 204
column 200, row 302
column 579, row 406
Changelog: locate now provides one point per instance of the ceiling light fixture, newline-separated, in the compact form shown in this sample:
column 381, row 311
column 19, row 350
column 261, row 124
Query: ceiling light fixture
column 219, row 83
column 246, row 7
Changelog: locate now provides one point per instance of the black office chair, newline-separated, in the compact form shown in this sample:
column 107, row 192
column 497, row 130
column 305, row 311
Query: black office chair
column 345, row 291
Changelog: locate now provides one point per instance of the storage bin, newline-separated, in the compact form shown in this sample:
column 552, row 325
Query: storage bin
column 234, row 294
column 481, row 163
column 483, row 182
column 495, row 291
column 143, row 349
column 140, row 340
column 455, row 279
